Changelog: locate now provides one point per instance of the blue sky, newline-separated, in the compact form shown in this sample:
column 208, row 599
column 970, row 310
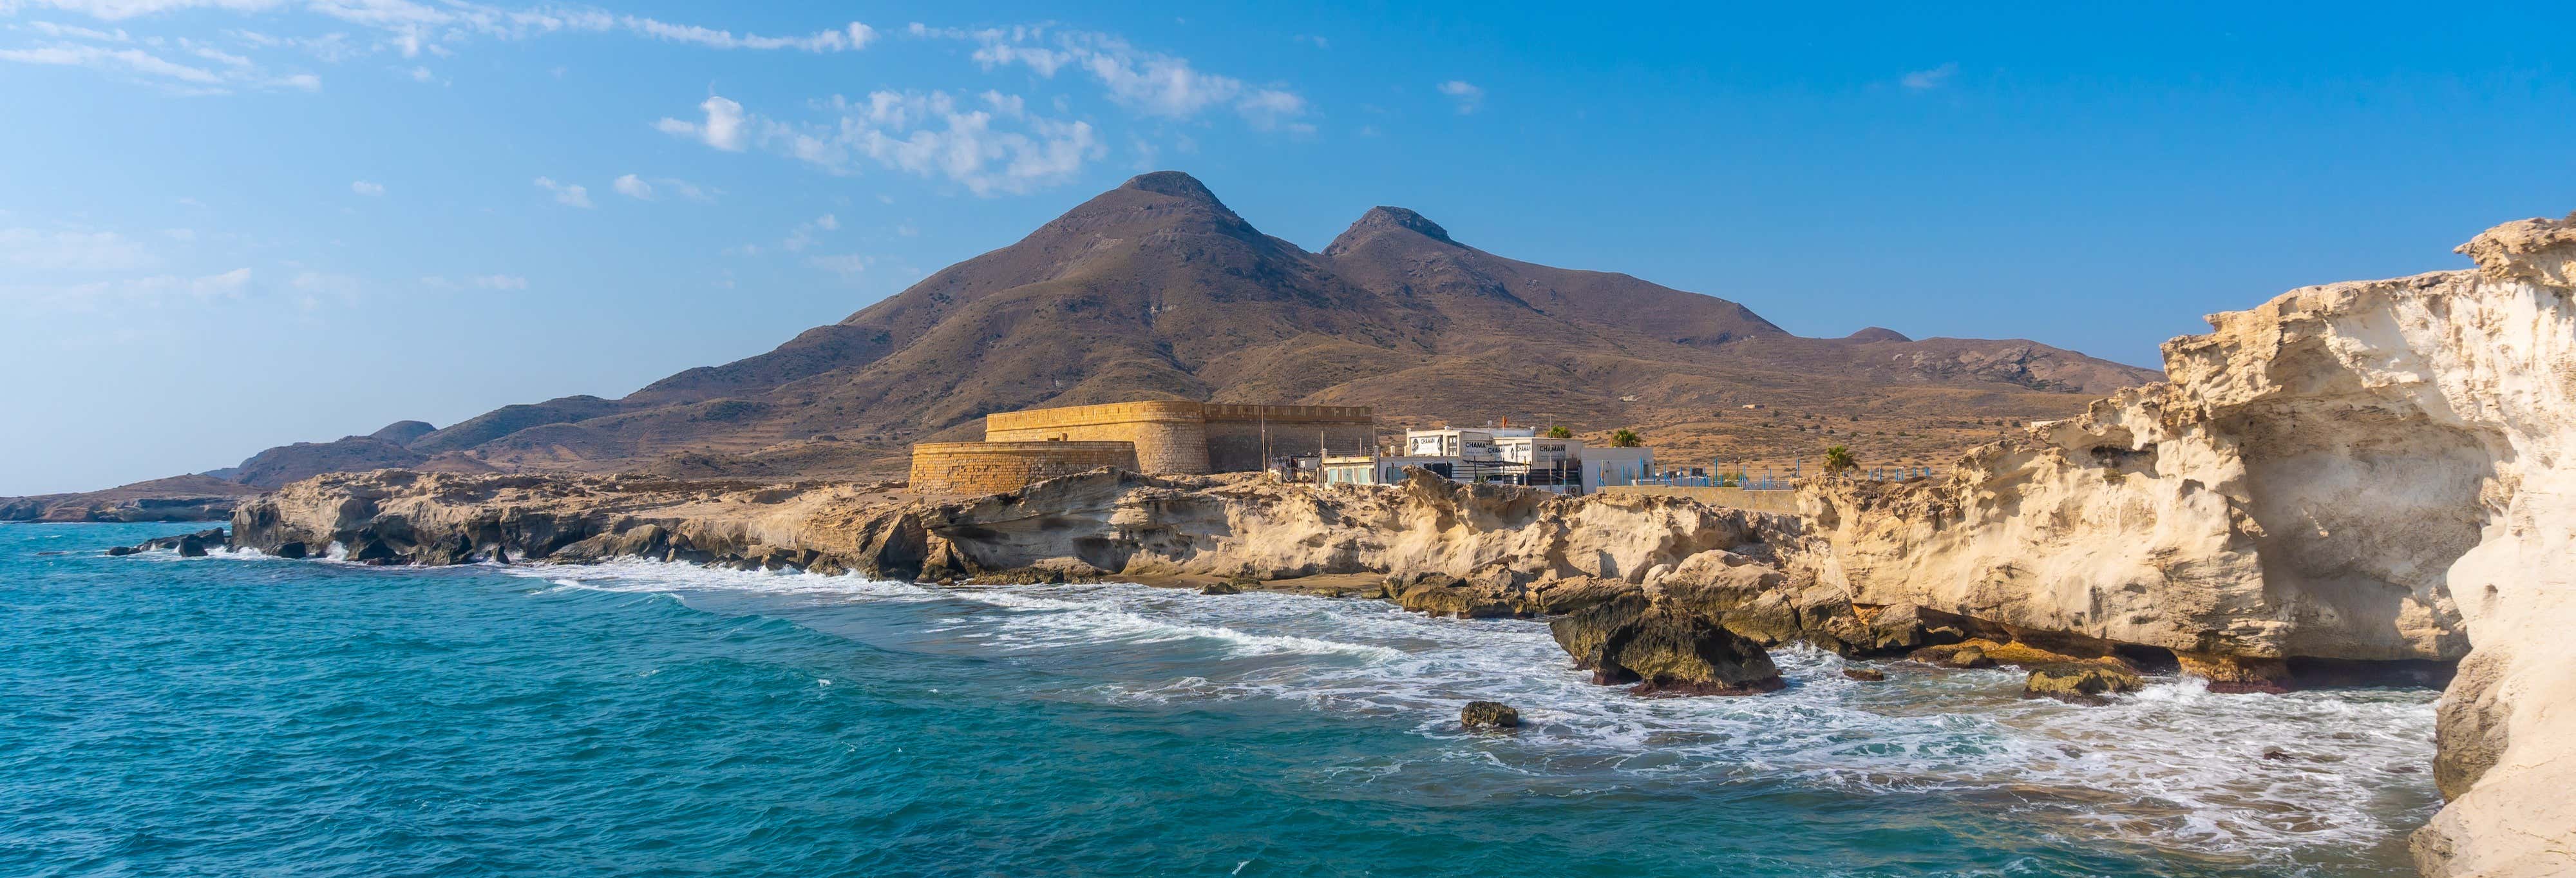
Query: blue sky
column 229, row 224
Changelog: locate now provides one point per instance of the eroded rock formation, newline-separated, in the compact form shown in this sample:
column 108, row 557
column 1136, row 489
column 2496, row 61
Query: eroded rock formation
column 2361, row 471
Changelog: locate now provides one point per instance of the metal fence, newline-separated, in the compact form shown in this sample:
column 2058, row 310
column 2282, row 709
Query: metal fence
column 1768, row 480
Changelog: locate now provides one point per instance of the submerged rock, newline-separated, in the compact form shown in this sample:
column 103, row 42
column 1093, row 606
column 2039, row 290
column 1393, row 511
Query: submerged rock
column 2238, row 674
column 1967, row 657
column 188, row 545
column 1866, row 675
column 2084, row 683
column 1489, row 715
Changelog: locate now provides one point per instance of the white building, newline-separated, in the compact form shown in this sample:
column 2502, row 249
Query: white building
column 1510, row 455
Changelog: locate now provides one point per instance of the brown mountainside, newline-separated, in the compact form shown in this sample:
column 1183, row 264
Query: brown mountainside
column 1156, row 290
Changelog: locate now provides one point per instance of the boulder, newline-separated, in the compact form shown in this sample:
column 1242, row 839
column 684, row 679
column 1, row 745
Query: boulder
column 1868, row 675
column 1489, row 715
column 1750, row 599
column 2237, row 674
column 2080, row 683
column 1221, row 588
column 1583, row 632
column 1897, row 628
column 1443, row 595
column 1664, row 650
column 1670, row 651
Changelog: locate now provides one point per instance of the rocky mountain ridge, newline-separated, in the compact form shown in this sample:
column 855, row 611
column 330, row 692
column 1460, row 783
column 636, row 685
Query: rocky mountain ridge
column 1158, row 290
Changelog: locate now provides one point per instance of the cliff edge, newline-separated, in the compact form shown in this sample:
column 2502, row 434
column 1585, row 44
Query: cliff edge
column 2373, row 470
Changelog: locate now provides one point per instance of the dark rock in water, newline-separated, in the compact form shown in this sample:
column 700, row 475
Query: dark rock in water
column 1871, row 675
column 43, row 554
column 1489, row 715
column 1664, row 650
column 1583, row 632
column 1221, row 588
column 2277, row 754
column 2238, row 674
column 2080, row 683
column 190, row 545
column 1901, row 627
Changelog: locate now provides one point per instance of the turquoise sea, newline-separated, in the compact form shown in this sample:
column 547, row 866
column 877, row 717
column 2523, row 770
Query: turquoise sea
column 240, row 715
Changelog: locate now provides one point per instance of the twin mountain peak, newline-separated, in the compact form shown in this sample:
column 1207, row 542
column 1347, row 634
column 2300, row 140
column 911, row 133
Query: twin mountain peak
column 1157, row 290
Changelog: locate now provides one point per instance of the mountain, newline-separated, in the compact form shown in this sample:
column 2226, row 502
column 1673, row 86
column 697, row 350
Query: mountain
column 1157, row 290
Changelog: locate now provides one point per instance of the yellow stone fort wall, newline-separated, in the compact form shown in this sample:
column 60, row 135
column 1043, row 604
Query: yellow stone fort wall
column 1170, row 437
column 994, row 467
column 1160, row 437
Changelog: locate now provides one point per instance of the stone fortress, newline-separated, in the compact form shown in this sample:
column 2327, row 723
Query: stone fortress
column 1158, row 437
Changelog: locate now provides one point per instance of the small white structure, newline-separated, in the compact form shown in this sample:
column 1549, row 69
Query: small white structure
column 1510, row 455
column 1615, row 466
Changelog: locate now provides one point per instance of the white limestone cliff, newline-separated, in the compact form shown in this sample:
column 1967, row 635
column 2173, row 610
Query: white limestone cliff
column 2370, row 470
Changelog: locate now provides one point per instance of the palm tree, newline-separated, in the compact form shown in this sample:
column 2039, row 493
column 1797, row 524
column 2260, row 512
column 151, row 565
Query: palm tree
column 1626, row 438
column 1838, row 458
column 1560, row 431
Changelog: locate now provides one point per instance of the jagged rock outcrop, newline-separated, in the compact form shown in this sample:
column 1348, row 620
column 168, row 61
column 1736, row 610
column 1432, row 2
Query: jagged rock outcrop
column 1522, row 546
column 402, row 517
column 1461, row 549
column 2366, row 471
column 1664, row 649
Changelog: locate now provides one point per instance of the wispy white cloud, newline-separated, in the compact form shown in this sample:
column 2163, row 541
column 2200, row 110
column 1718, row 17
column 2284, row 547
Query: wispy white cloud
column 721, row 129
column 1467, row 95
column 845, row 264
column 989, row 143
column 363, row 187
column 567, row 194
column 1149, row 83
column 151, row 288
column 497, row 282
column 133, row 62
column 1927, row 80
column 637, row 187
column 854, row 36
column 402, row 27
column 72, row 250
column 76, row 32
column 803, row 235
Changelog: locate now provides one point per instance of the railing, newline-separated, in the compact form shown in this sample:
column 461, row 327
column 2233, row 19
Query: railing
column 1768, row 482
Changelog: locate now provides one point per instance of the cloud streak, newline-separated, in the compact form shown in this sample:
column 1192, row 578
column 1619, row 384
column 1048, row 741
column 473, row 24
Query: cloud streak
column 1466, row 94
column 403, row 27
column 566, row 194
column 1148, row 83
column 1927, row 80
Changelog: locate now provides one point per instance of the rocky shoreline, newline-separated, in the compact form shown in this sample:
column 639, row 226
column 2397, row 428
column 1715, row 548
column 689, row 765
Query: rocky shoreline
column 2359, row 482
